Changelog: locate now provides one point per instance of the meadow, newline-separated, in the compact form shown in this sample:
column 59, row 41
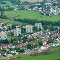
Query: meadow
column 53, row 56
column 8, row 21
column 25, row 14
column 8, row 3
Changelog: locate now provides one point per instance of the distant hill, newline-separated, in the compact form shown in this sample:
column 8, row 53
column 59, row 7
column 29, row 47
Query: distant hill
column 32, row 0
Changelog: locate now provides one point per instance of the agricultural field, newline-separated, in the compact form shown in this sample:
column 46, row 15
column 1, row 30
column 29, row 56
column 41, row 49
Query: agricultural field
column 25, row 14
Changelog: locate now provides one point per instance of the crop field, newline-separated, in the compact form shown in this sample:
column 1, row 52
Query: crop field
column 25, row 14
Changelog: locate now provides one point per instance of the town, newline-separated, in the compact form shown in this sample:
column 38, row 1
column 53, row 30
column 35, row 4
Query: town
column 26, row 33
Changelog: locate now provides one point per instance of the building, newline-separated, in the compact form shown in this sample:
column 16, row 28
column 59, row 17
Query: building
column 29, row 28
column 3, row 35
column 17, row 31
column 1, row 24
column 39, row 26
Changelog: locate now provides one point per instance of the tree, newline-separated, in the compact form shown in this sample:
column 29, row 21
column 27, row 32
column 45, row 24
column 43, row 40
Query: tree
column 19, row 50
column 18, row 2
column 50, row 41
column 2, row 12
column 24, row 39
column 0, row 0
column 5, row 41
column 35, row 28
column 29, row 46
column 40, row 43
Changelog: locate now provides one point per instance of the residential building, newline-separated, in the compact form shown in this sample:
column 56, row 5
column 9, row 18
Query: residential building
column 1, row 24
column 17, row 31
column 3, row 35
column 29, row 28
column 38, row 25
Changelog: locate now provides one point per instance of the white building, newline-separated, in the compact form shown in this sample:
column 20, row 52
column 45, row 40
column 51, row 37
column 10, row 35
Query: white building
column 54, row 11
column 17, row 31
column 29, row 28
column 38, row 25
column 1, row 24
column 3, row 35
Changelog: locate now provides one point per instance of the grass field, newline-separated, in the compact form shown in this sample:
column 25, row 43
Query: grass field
column 25, row 14
column 7, row 3
column 7, row 21
column 39, row 57
column 53, row 56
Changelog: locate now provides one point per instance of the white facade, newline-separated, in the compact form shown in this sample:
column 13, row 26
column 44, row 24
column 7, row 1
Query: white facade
column 3, row 35
column 38, row 25
column 17, row 32
column 29, row 28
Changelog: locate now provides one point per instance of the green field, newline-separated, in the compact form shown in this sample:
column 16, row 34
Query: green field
column 8, row 3
column 7, row 21
column 25, row 14
column 54, row 56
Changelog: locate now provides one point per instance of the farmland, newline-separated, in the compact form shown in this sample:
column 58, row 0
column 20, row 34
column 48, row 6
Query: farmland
column 25, row 14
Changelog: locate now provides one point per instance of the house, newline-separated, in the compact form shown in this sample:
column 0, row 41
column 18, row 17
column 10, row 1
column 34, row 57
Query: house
column 45, row 47
column 13, row 51
column 56, row 42
column 29, row 28
column 40, row 9
column 35, row 8
column 2, row 53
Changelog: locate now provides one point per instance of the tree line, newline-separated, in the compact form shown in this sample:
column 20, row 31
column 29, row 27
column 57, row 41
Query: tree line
column 33, row 21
